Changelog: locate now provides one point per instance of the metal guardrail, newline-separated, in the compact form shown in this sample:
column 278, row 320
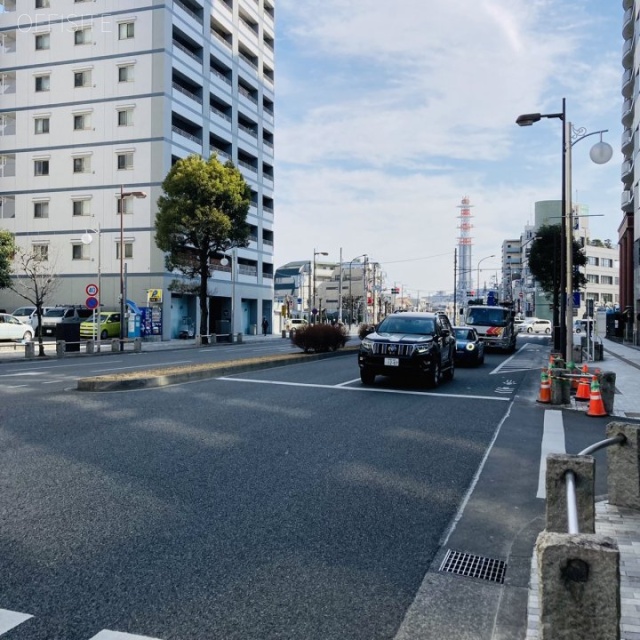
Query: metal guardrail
column 570, row 481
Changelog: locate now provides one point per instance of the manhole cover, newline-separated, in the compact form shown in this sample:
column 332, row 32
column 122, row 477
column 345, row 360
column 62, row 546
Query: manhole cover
column 472, row 566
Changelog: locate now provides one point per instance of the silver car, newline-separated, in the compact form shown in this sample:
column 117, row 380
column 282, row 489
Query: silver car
column 13, row 329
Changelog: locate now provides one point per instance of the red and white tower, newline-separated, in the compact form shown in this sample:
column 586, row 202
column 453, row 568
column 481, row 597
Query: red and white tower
column 465, row 244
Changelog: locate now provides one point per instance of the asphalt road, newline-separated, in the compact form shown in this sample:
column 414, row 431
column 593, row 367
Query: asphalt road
column 288, row 503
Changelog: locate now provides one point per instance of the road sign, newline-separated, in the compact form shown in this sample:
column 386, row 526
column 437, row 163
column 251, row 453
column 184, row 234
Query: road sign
column 154, row 295
column 91, row 290
column 91, row 302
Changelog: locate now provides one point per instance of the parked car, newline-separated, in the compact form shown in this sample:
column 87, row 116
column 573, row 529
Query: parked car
column 55, row 315
column 411, row 343
column 28, row 315
column 296, row 323
column 469, row 345
column 538, row 326
column 109, row 326
column 13, row 329
column 522, row 326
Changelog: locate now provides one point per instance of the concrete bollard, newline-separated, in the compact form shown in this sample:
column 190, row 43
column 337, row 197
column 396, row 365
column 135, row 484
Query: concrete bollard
column 29, row 349
column 213, row 338
column 91, row 347
column 198, row 340
column 560, row 386
column 584, row 469
column 607, row 381
column 579, row 590
column 284, row 333
column 137, row 345
column 623, row 466
column 60, row 348
column 115, row 345
column 239, row 338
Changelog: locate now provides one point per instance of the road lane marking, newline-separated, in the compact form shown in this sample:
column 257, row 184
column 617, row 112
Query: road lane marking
column 105, row 634
column 370, row 389
column 552, row 442
column 344, row 384
column 11, row 619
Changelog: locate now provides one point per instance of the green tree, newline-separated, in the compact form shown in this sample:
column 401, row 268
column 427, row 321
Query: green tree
column 545, row 260
column 7, row 251
column 201, row 215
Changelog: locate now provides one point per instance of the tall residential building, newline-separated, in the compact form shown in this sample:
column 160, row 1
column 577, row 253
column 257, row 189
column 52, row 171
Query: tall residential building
column 100, row 98
column 628, row 232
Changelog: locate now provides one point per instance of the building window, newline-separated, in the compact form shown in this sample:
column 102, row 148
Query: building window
column 41, row 125
column 81, row 121
column 82, row 36
column 128, row 250
column 606, row 279
column 40, row 209
column 606, row 262
column 77, row 251
column 81, row 208
column 81, row 78
column 43, row 83
column 125, row 73
column 43, row 41
column 591, row 260
column 125, row 30
column 607, row 297
column 81, row 164
column 40, row 251
column 40, row 167
column 125, row 117
column 42, row 4
column 127, row 205
column 593, row 279
column 125, row 161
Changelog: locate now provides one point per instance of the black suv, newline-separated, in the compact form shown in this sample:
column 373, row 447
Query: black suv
column 409, row 344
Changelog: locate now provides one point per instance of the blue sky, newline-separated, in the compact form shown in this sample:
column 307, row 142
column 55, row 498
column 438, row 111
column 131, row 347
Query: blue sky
column 388, row 113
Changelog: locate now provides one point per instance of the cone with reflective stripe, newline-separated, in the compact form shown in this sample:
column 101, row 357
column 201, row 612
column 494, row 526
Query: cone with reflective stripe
column 596, row 405
column 584, row 386
column 545, row 388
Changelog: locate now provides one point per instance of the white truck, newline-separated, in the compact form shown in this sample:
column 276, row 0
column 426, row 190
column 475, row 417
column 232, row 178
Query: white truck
column 494, row 324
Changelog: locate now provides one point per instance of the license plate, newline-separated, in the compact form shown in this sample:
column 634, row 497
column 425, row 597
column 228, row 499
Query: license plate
column 391, row 362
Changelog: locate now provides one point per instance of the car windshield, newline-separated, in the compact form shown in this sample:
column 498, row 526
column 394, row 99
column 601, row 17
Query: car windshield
column 464, row 334
column 24, row 311
column 413, row 326
column 487, row 317
column 55, row 313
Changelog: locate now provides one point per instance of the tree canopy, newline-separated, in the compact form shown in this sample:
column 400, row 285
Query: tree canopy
column 201, row 215
column 7, row 251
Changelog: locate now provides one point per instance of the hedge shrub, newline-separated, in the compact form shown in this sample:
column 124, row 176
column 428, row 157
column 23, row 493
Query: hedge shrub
column 320, row 337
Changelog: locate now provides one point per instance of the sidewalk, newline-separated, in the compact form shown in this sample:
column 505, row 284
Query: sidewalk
column 623, row 525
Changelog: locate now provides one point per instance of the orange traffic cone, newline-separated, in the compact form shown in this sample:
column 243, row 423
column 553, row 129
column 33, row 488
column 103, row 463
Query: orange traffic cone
column 596, row 405
column 545, row 388
column 584, row 386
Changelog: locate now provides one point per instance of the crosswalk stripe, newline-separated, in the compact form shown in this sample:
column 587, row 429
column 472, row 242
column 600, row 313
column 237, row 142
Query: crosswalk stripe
column 105, row 634
column 11, row 619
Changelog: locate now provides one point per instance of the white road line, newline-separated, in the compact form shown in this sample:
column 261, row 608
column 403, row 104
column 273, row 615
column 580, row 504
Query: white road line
column 552, row 442
column 369, row 389
column 11, row 619
column 105, row 634
column 344, row 384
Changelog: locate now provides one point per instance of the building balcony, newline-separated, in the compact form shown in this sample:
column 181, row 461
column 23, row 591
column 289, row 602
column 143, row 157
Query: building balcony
column 628, row 49
column 187, row 93
column 627, row 24
column 626, row 172
column 8, row 124
column 627, row 83
column 626, row 201
column 626, row 142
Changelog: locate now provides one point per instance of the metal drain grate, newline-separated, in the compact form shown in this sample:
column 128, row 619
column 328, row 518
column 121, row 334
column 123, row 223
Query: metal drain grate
column 466, row 564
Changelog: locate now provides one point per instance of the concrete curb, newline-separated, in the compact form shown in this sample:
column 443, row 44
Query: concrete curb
column 162, row 377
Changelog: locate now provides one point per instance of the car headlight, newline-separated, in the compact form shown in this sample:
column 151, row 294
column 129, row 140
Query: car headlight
column 423, row 348
column 366, row 344
column 470, row 346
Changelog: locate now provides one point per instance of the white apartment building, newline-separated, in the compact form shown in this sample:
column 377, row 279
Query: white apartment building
column 98, row 99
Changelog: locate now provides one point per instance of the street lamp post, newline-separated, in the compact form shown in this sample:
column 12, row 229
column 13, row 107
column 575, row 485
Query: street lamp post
column 224, row 262
column 493, row 255
column 88, row 239
column 315, row 253
column 600, row 154
column 124, row 194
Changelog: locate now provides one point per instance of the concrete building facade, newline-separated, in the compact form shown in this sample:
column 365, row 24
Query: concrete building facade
column 98, row 99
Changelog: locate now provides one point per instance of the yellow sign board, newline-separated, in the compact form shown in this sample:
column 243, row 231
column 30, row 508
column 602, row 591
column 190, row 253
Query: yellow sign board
column 154, row 296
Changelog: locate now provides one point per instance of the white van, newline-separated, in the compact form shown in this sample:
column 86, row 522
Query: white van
column 28, row 315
